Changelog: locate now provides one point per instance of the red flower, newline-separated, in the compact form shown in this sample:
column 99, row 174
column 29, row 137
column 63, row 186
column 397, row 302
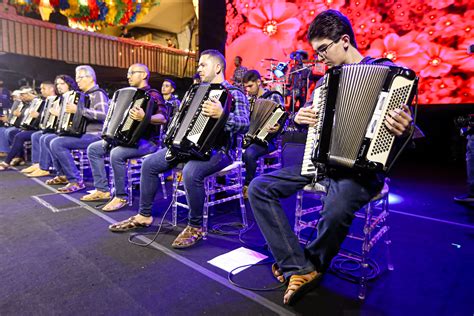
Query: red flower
column 271, row 30
column 435, row 60
column 401, row 50
column 439, row 4
column 449, row 25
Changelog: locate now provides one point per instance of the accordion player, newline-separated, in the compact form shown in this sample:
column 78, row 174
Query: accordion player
column 191, row 134
column 264, row 114
column 49, row 122
column 352, row 104
column 119, row 127
column 72, row 124
column 18, row 107
column 29, row 122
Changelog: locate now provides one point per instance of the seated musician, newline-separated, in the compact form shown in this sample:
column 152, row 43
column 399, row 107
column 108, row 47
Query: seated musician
column 21, row 101
column 253, row 86
column 17, row 150
column 211, row 70
column 61, row 146
column 172, row 102
column 332, row 37
column 42, row 157
column 138, row 75
column 4, row 145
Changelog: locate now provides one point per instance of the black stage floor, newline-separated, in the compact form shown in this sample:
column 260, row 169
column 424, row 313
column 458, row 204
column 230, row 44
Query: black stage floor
column 58, row 258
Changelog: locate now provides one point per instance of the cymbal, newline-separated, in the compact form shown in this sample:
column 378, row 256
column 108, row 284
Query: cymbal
column 270, row 59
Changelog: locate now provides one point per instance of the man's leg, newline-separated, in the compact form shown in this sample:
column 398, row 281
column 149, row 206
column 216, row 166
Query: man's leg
column 265, row 192
column 35, row 148
column 250, row 158
column 344, row 197
column 96, row 154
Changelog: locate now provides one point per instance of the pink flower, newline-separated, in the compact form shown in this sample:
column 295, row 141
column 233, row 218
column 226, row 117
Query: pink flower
column 449, row 25
column 401, row 50
column 435, row 60
column 439, row 4
column 271, row 31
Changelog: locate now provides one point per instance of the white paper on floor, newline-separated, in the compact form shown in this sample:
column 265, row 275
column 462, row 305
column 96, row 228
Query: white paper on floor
column 236, row 258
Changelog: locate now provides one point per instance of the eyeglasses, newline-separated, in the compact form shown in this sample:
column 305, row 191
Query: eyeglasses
column 131, row 73
column 322, row 52
column 79, row 78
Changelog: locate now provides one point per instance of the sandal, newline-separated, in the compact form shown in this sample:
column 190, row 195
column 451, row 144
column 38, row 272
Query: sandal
column 187, row 238
column 115, row 204
column 278, row 274
column 17, row 161
column 300, row 285
column 127, row 225
column 72, row 187
column 4, row 166
column 57, row 180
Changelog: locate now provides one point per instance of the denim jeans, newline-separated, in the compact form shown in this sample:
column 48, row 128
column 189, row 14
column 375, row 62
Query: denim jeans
column 345, row 195
column 250, row 158
column 4, row 145
column 46, row 157
column 35, row 146
column 194, row 172
column 10, row 133
column 470, row 163
column 96, row 153
column 17, row 149
column 63, row 160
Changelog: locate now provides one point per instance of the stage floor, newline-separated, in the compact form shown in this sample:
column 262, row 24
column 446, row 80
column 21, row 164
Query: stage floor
column 58, row 257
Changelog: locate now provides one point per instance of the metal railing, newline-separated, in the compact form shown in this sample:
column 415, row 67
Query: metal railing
column 25, row 36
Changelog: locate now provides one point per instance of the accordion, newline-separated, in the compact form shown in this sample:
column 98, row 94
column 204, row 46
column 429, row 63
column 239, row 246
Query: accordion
column 31, row 123
column 119, row 127
column 265, row 114
column 14, row 120
column 352, row 104
column 72, row 124
column 191, row 134
column 48, row 122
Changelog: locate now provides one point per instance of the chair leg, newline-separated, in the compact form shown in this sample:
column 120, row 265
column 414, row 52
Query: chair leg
column 298, row 213
column 365, row 252
column 174, row 205
column 387, row 239
column 163, row 186
column 205, row 211
column 243, row 210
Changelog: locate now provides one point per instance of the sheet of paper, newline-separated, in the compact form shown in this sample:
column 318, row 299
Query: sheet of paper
column 236, row 258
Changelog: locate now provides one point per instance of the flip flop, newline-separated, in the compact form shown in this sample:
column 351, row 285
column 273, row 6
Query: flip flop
column 126, row 225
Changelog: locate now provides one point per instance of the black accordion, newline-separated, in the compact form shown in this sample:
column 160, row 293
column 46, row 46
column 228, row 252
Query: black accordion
column 48, row 122
column 119, row 127
column 191, row 134
column 264, row 114
column 12, row 119
column 31, row 123
column 353, row 103
column 73, row 124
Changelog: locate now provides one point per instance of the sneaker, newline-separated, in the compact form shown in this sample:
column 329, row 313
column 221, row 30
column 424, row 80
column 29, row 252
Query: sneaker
column 38, row 173
column 464, row 198
column 96, row 195
column 31, row 168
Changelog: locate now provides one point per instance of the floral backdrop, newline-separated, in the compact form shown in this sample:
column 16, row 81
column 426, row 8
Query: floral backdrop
column 430, row 36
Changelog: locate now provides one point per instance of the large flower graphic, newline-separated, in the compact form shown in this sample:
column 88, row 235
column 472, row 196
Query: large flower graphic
column 269, row 34
column 435, row 60
column 401, row 50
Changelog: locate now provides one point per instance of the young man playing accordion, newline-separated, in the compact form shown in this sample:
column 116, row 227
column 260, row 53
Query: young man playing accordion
column 138, row 75
column 332, row 37
column 253, row 86
column 211, row 70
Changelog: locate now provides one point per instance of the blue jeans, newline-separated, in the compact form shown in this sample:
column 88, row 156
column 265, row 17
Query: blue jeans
column 35, row 146
column 250, row 158
column 4, row 145
column 46, row 157
column 17, row 149
column 470, row 163
column 194, row 172
column 118, row 157
column 345, row 195
column 63, row 160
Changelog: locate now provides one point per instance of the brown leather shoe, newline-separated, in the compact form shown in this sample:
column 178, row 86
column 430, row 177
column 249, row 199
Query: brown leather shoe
column 188, row 237
column 38, row 173
column 115, row 204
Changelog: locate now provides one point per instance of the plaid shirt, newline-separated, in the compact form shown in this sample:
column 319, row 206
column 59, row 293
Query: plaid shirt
column 237, row 78
column 239, row 119
column 97, row 110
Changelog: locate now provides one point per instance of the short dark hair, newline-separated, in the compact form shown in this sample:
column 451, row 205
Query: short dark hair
column 251, row 75
column 216, row 54
column 239, row 58
column 47, row 83
column 171, row 83
column 331, row 24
